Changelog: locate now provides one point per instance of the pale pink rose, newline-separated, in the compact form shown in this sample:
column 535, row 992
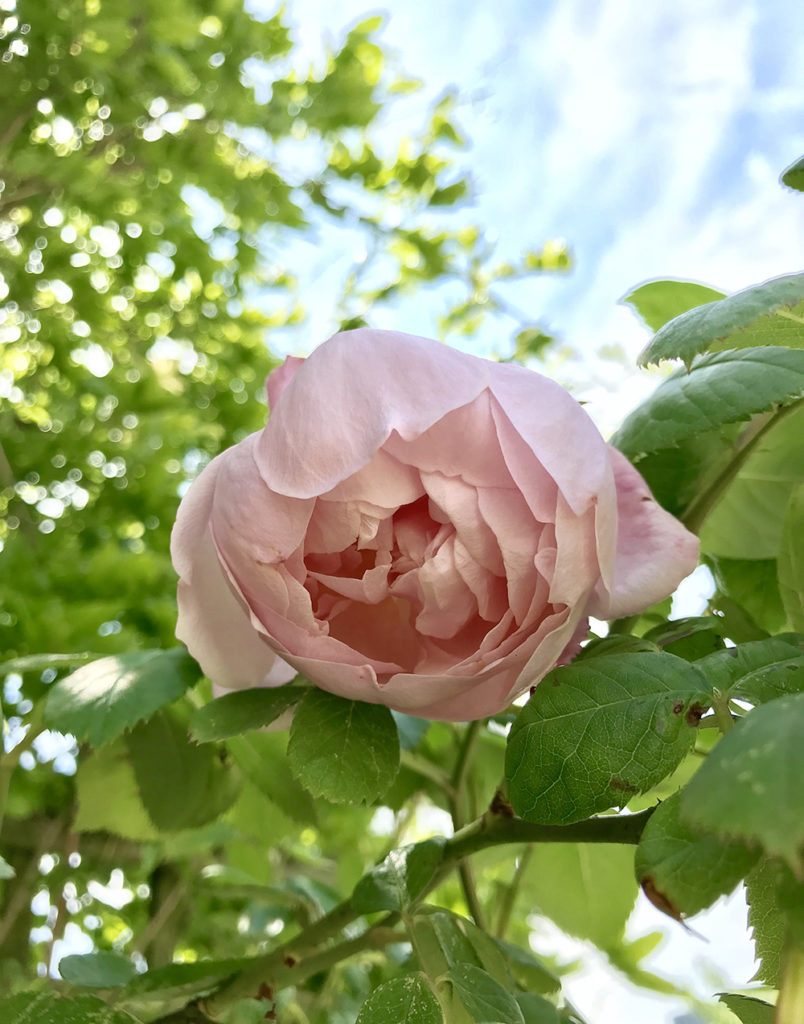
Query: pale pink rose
column 415, row 527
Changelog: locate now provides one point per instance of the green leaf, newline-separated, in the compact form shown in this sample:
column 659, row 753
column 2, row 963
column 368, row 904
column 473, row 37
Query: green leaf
column 6, row 870
column 529, row 972
column 587, row 889
column 49, row 1008
column 747, row 521
column 484, row 998
column 167, row 989
column 97, row 970
column 343, row 750
column 242, row 711
column 752, row 584
column 757, row 671
column 400, row 878
column 719, row 388
column 749, row 787
column 262, row 759
column 407, row 1000
column 106, row 771
column 657, row 302
column 458, row 941
column 791, row 560
column 748, row 1009
column 536, row 1010
column 764, row 314
column 793, row 176
column 411, row 729
column 181, row 784
column 596, row 732
column 766, row 919
column 99, row 702
column 683, row 871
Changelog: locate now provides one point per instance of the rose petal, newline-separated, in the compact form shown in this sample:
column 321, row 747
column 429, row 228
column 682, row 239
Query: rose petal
column 279, row 379
column 654, row 551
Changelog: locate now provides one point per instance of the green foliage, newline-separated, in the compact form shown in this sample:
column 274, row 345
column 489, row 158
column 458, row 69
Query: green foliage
column 749, row 788
column 239, row 712
column 407, row 1000
column 683, row 870
column 764, row 314
column 49, row 1008
column 748, row 1009
column 99, row 702
column 97, row 970
column 484, row 998
column 717, row 389
column 343, row 750
column 793, row 176
column 791, row 559
column 596, row 732
column 400, row 879
column 658, row 302
column 766, row 919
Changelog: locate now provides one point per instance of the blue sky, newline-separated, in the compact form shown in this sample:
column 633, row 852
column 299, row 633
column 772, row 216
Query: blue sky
column 651, row 137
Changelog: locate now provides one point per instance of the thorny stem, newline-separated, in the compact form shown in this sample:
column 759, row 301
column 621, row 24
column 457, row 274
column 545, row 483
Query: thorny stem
column 790, row 1007
column 491, row 829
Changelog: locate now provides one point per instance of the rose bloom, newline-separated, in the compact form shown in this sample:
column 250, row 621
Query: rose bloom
column 415, row 527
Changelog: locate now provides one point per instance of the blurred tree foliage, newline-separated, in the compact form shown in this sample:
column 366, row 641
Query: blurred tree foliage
column 157, row 162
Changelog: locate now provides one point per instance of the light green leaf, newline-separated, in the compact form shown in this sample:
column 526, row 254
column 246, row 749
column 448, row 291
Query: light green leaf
column 99, row 702
column 181, row 784
column 45, row 1007
column 748, row 1009
column 596, row 732
column 757, row 671
column 749, row 787
column 242, row 711
column 343, row 750
column 766, row 919
column 102, row 969
column 791, row 560
column 764, row 314
column 587, row 889
column 6, row 870
column 752, row 583
column 683, row 871
column 407, row 1000
column 657, row 302
column 719, row 388
column 400, row 878
column 459, row 941
column 793, row 176
column 106, row 771
column 747, row 521
column 484, row 998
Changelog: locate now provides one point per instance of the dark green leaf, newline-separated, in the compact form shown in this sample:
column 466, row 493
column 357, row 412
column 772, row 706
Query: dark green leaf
column 751, row 583
column 598, row 731
column 536, row 1010
column 102, row 969
column 167, row 989
column 99, row 702
column 181, row 784
column 749, row 787
column 747, row 521
column 459, row 941
column 615, row 643
column 719, row 388
column 791, row 560
column 766, row 919
column 747, row 1009
column 407, row 1000
column 686, row 870
column 657, row 302
column 530, row 973
column 242, row 711
column 49, row 1008
column 343, row 750
column 764, row 314
column 400, row 878
column 758, row 671
column 484, row 998
column 793, row 176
